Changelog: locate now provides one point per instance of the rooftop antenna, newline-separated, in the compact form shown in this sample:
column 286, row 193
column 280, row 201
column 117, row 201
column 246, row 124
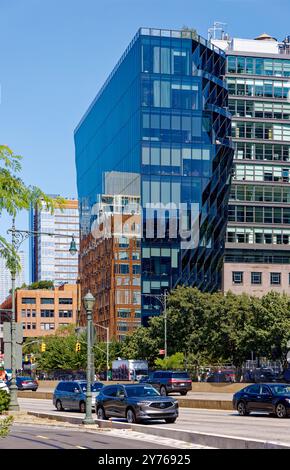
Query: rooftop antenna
column 217, row 31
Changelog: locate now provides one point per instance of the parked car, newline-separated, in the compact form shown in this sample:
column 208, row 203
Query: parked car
column 4, row 386
column 219, row 376
column 136, row 403
column 286, row 375
column 72, row 394
column 273, row 398
column 25, row 383
column 170, row 381
column 265, row 374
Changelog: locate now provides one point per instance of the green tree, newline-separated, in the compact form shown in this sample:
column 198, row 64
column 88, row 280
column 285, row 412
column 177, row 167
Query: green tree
column 175, row 362
column 15, row 196
column 141, row 345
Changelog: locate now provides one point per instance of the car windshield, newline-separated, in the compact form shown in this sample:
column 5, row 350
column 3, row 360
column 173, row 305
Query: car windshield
column 144, row 391
column 94, row 387
column 280, row 389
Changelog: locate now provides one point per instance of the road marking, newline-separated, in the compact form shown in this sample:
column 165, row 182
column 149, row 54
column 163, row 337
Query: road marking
column 80, row 447
column 42, row 437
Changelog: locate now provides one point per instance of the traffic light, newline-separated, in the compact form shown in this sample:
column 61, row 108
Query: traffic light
column 78, row 347
column 43, row 347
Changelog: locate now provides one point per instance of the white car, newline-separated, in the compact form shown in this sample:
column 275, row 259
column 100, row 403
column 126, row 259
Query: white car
column 3, row 386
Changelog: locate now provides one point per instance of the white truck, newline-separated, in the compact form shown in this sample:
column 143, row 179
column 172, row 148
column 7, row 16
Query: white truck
column 129, row 369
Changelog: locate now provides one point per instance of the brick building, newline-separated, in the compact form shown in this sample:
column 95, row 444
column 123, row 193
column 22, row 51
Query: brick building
column 110, row 267
column 42, row 311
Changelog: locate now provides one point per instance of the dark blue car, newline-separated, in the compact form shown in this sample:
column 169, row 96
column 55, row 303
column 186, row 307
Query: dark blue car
column 272, row 398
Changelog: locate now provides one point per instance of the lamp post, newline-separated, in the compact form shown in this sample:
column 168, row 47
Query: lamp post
column 163, row 300
column 89, row 301
column 17, row 238
column 106, row 328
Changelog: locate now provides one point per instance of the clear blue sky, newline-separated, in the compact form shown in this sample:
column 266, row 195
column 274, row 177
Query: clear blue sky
column 55, row 55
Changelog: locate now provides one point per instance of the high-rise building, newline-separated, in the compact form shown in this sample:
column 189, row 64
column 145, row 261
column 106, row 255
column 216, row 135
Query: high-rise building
column 257, row 256
column 159, row 129
column 50, row 259
column 5, row 277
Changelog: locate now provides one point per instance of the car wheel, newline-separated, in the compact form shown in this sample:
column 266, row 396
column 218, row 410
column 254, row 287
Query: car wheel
column 101, row 413
column 130, row 415
column 183, row 393
column 170, row 420
column 242, row 410
column 82, row 407
column 281, row 411
column 59, row 406
column 163, row 391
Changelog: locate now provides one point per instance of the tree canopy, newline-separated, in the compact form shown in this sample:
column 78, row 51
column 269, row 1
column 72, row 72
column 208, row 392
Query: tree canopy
column 15, row 196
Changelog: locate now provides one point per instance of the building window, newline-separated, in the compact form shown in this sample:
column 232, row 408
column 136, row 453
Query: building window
column 65, row 301
column 47, row 313
column 136, row 297
column 275, row 279
column 238, row 277
column 136, row 269
column 28, row 300
column 256, row 278
column 122, row 268
column 47, row 300
column 124, row 313
column 47, row 326
column 65, row 314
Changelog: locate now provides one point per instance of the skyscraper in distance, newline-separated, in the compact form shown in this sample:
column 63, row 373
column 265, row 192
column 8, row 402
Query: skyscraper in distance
column 5, row 277
column 50, row 259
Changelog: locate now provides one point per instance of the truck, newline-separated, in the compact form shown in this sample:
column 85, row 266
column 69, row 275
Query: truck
column 129, row 369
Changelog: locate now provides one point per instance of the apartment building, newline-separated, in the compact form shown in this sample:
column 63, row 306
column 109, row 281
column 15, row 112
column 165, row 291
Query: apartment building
column 50, row 259
column 257, row 257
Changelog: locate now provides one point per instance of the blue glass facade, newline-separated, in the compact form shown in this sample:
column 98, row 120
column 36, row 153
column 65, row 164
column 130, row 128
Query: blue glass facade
column 160, row 127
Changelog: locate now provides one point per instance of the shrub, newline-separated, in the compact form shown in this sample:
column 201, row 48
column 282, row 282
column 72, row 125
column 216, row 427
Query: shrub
column 4, row 401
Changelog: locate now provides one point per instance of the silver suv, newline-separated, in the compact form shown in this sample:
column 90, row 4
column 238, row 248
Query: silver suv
column 136, row 403
column 72, row 394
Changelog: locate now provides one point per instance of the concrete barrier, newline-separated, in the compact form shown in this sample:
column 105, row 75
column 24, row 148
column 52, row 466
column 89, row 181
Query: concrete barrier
column 217, row 441
column 206, row 387
column 183, row 402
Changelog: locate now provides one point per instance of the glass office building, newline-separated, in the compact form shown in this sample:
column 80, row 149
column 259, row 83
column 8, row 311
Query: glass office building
column 159, row 128
column 257, row 256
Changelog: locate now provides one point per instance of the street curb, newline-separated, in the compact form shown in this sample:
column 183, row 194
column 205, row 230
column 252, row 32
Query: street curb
column 183, row 402
column 218, row 441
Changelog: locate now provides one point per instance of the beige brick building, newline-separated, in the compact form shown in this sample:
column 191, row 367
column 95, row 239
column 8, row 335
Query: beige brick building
column 42, row 311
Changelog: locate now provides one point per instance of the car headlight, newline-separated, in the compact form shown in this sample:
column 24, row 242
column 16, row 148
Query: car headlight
column 287, row 399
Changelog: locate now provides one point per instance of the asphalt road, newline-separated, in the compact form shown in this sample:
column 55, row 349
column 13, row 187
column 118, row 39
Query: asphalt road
column 256, row 426
column 53, row 437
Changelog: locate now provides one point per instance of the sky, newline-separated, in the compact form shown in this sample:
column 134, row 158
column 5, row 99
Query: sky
column 56, row 54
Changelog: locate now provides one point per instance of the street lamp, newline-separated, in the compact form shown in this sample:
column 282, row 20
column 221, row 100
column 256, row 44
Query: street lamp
column 163, row 300
column 73, row 247
column 89, row 301
column 106, row 328
column 17, row 238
